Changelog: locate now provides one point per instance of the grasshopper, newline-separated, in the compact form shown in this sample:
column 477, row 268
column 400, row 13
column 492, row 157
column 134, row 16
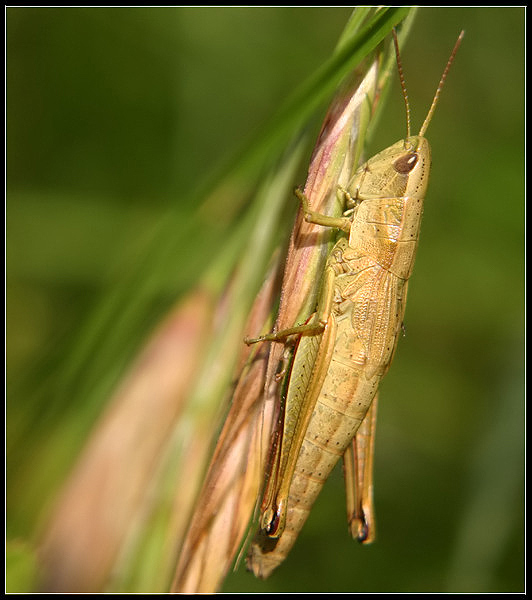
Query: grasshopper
column 346, row 347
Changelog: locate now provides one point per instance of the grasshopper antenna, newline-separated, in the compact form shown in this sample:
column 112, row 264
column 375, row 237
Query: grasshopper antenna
column 440, row 85
column 402, row 79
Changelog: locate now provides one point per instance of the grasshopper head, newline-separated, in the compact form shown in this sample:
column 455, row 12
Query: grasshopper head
column 413, row 163
column 401, row 170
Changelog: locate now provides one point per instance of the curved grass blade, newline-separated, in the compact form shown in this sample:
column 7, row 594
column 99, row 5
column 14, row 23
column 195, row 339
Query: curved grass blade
column 111, row 322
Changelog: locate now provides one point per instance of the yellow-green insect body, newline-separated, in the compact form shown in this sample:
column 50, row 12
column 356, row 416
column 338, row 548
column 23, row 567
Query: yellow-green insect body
column 360, row 317
column 346, row 347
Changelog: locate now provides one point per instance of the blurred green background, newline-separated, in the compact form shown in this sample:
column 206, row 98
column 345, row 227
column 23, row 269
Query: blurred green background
column 117, row 115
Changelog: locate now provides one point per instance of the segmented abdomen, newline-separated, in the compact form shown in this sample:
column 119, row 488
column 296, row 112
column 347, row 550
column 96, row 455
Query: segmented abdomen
column 342, row 404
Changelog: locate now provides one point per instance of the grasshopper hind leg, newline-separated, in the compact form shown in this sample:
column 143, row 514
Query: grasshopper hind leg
column 358, row 473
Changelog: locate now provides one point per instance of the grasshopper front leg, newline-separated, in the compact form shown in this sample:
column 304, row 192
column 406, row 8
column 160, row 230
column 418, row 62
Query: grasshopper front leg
column 311, row 216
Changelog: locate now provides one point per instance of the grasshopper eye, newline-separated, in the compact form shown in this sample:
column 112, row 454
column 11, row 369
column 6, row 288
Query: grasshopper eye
column 404, row 164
